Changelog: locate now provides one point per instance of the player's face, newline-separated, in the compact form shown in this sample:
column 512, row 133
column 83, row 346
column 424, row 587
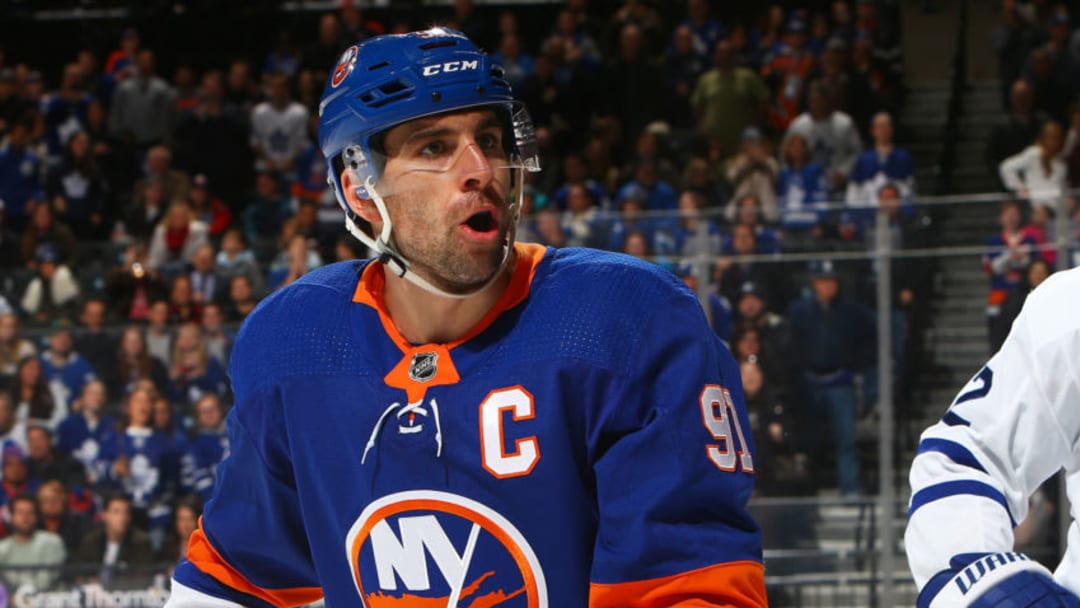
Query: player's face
column 446, row 185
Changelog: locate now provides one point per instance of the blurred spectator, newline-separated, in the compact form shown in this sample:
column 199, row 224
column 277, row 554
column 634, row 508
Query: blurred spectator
column 35, row 400
column 278, row 129
column 89, row 433
column 193, row 370
column 120, row 64
column 321, row 55
column 575, row 172
column 1041, row 228
column 146, row 211
column 786, row 73
column 883, row 85
column 630, row 81
column 219, row 340
column 12, row 430
column 134, row 362
column 728, row 98
column 92, row 340
column 206, row 283
column 705, row 31
column 803, row 194
column 57, row 518
column 473, row 23
column 1008, row 254
column 833, row 339
column 1020, row 130
column 175, row 240
column 548, row 227
column 833, row 139
column 1039, row 172
column 1037, row 271
column 265, row 214
column 771, row 32
column 176, row 185
column 241, row 92
column 64, row 111
column 10, row 246
column 176, row 445
column 732, row 269
column 1051, row 94
column 659, row 194
column 183, row 307
column 1071, row 151
column 132, row 286
column 16, row 481
column 649, row 144
column 20, row 175
column 186, row 515
column 213, row 142
column 159, row 334
column 753, row 172
column 12, row 105
column 142, row 105
column 578, row 45
column 53, row 292
column 580, row 221
column 296, row 259
column 183, row 82
column 13, row 347
column 884, row 163
column 747, row 345
column 354, row 25
column 209, row 446
column 518, row 64
column 46, row 464
column 46, row 232
column 76, row 189
column 66, row 370
column 236, row 259
column 753, row 307
column 632, row 218
column 1012, row 39
column 115, row 545
column 208, row 208
column 693, row 225
column 748, row 213
column 781, row 468
column 139, row 469
column 28, row 546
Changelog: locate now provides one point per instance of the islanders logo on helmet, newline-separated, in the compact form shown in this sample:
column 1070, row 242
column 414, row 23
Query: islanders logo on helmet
column 344, row 66
column 424, row 547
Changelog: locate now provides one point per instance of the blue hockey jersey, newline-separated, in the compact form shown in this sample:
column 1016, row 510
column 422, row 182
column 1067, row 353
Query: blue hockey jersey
column 198, row 469
column 586, row 444
column 96, row 447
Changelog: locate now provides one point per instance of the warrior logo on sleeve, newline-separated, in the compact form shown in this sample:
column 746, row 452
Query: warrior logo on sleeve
column 426, row 548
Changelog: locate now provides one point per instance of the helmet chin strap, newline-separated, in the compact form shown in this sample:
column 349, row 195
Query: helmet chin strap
column 397, row 263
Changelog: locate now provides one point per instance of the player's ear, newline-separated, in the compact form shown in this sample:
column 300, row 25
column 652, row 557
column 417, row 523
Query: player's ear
column 356, row 196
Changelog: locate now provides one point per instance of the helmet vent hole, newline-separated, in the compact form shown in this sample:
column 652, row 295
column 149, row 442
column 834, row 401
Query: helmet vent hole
column 378, row 65
column 393, row 87
column 438, row 44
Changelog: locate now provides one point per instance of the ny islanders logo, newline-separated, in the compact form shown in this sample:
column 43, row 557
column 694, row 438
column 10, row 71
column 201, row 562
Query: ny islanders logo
column 424, row 549
column 344, row 66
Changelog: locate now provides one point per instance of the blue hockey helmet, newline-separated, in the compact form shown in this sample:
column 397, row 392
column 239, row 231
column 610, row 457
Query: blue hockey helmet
column 389, row 80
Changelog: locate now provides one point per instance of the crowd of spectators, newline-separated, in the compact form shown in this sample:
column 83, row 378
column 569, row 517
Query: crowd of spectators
column 1034, row 152
column 144, row 217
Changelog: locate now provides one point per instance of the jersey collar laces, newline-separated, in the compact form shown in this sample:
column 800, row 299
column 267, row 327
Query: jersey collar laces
column 402, row 410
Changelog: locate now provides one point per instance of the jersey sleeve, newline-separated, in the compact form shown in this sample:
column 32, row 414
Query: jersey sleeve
column 1010, row 428
column 674, row 469
column 250, row 547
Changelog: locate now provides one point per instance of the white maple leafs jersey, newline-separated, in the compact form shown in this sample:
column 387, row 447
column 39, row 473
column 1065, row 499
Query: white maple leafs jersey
column 1014, row 425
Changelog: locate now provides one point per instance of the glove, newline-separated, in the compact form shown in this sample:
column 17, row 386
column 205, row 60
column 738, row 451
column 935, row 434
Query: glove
column 995, row 580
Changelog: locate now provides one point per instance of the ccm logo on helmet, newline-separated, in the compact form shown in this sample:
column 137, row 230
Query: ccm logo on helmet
column 451, row 66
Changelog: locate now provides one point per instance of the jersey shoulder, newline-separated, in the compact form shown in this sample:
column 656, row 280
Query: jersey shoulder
column 1049, row 313
column 302, row 329
column 594, row 305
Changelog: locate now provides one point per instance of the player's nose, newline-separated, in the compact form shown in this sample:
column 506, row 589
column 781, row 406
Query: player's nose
column 474, row 168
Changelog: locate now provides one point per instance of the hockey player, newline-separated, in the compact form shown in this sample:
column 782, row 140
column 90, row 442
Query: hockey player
column 1013, row 426
column 466, row 421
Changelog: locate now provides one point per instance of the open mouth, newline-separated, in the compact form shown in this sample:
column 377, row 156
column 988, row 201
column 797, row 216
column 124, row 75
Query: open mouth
column 483, row 221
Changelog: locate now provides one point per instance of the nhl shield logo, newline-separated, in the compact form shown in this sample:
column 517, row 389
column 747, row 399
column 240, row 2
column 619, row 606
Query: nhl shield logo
column 344, row 66
column 424, row 366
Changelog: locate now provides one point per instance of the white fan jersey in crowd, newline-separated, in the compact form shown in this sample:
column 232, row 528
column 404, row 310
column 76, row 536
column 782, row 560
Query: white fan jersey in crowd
column 1014, row 425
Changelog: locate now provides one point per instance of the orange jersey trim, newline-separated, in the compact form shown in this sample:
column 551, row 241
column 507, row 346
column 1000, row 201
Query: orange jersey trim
column 734, row 584
column 204, row 557
column 369, row 291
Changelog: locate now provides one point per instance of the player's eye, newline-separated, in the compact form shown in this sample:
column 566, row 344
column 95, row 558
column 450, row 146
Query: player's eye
column 433, row 149
column 488, row 141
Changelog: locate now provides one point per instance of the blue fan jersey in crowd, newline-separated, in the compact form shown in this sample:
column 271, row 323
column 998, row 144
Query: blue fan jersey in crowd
column 585, row 444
